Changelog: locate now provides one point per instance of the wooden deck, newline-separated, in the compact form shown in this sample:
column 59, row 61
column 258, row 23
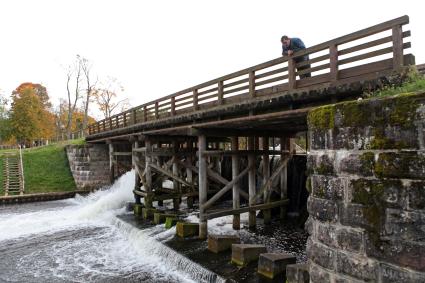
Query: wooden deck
column 341, row 69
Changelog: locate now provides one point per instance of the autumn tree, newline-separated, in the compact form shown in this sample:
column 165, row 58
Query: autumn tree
column 30, row 117
column 107, row 98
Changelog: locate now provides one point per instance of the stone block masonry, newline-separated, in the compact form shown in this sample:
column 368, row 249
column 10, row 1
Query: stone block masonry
column 89, row 165
column 366, row 181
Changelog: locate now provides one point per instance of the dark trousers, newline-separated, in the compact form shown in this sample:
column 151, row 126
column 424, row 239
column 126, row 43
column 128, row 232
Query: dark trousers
column 305, row 67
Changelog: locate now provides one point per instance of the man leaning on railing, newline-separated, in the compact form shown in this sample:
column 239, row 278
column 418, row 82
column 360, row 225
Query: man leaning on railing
column 291, row 45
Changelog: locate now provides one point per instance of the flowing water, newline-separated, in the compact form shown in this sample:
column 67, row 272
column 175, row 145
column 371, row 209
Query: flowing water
column 82, row 240
column 94, row 239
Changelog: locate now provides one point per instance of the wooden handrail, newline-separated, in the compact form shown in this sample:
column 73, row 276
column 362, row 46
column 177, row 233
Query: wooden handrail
column 249, row 80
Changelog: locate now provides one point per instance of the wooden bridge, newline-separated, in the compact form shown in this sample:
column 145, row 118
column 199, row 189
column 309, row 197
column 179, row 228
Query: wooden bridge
column 186, row 133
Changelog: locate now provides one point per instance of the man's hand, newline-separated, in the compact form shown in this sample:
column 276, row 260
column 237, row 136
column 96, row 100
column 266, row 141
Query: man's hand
column 290, row 52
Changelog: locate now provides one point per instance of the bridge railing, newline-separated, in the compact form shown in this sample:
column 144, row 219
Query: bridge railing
column 374, row 49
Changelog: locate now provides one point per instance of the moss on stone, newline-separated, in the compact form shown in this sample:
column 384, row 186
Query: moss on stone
column 355, row 114
column 403, row 110
column 325, row 169
column 367, row 161
column 322, row 117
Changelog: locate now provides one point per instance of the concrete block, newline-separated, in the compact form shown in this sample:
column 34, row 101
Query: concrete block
column 272, row 265
column 159, row 217
column 297, row 273
column 219, row 243
column 147, row 213
column 187, row 229
column 242, row 254
column 138, row 209
column 170, row 222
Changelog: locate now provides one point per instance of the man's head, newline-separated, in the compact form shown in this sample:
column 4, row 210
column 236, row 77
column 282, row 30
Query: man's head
column 286, row 41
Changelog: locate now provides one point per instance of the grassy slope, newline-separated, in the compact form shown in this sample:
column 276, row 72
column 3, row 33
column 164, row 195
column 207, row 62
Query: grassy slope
column 46, row 169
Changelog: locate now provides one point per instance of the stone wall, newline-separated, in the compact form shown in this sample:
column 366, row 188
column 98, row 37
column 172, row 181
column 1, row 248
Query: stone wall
column 89, row 165
column 366, row 181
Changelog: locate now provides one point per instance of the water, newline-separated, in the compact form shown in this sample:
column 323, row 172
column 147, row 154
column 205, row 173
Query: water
column 82, row 240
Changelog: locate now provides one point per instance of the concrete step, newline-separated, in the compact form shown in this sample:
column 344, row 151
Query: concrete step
column 242, row 254
column 220, row 243
column 272, row 265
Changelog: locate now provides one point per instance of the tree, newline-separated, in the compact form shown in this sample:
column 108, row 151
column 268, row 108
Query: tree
column 5, row 127
column 30, row 118
column 106, row 98
column 89, row 90
column 73, row 74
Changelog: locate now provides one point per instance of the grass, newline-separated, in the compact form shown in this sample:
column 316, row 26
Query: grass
column 46, row 169
column 414, row 83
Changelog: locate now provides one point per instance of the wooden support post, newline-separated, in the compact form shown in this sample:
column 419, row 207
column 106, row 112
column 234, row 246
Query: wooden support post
column 266, row 176
column 236, row 186
column 397, row 46
column 159, row 162
column 176, row 185
column 189, row 173
column 111, row 162
column 148, row 170
column 137, row 176
column 202, row 146
column 291, row 74
column 251, row 183
column 333, row 61
column 284, row 146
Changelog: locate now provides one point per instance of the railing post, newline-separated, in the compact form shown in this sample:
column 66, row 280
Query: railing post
column 103, row 125
column 117, row 122
column 145, row 114
column 291, row 74
column 133, row 116
column 110, row 124
column 173, row 105
column 397, row 46
column 156, row 110
column 125, row 119
column 98, row 127
column 220, row 92
column 195, row 99
column 252, row 84
column 333, row 62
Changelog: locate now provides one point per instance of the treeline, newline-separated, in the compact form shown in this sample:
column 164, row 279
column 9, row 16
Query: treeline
column 27, row 116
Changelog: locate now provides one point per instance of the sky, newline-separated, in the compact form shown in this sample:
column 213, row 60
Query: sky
column 156, row 48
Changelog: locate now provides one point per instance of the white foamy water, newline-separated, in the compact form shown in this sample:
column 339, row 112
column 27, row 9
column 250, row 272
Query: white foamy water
column 82, row 240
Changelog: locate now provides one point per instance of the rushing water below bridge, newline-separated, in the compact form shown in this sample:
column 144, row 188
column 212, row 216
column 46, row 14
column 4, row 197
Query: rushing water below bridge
column 83, row 240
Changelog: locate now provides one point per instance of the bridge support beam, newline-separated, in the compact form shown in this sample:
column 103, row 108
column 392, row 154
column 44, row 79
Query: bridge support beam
column 266, row 175
column 203, row 186
column 251, row 183
column 236, row 187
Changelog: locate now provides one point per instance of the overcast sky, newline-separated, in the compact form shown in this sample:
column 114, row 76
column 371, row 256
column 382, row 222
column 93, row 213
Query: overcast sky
column 155, row 48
